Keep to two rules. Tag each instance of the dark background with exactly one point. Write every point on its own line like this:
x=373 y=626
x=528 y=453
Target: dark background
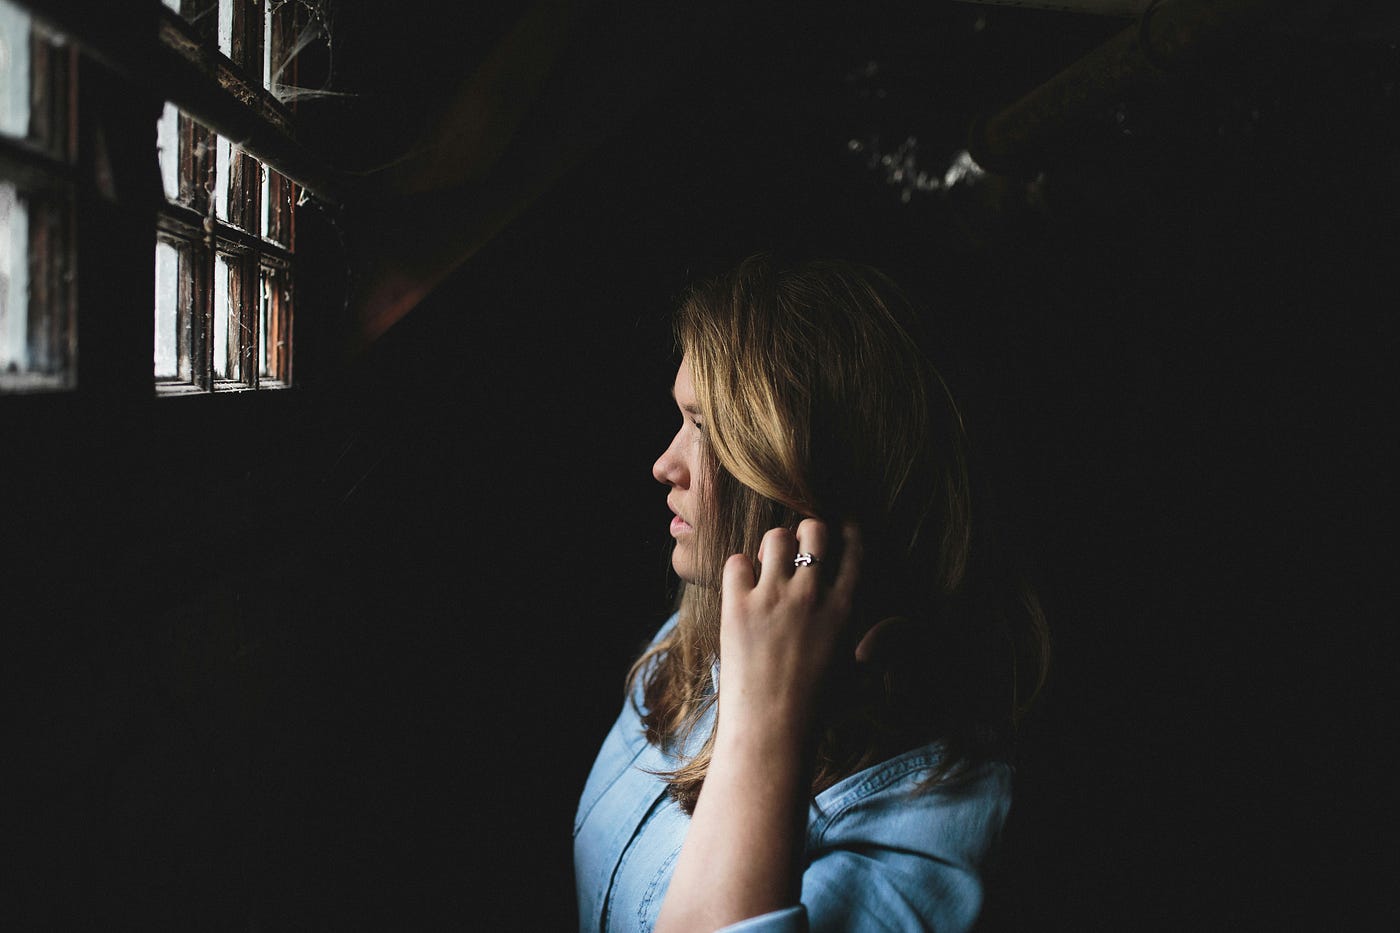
x=340 y=657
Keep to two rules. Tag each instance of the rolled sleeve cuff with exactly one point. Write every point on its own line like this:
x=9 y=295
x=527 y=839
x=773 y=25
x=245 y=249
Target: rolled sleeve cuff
x=787 y=920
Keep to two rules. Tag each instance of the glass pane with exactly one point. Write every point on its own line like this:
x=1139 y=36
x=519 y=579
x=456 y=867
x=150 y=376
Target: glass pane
x=168 y=150
x=226 y=27
x=277 y=207
x=222 y=319
x=167 y=311
x=265 y=225
x=14 y=70
x=223 y=157
x=14 y=281
x=274 y=349
x=37 y=349
x=265 y=311
x=267 y=45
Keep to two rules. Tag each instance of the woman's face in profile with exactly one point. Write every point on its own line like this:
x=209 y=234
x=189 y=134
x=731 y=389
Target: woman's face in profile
x=681 y=468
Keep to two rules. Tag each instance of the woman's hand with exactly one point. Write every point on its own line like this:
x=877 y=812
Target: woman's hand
x=779 y=629
x=743 y=852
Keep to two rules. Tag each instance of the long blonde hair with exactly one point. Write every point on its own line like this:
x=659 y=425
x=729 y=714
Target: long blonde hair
x=818 y=402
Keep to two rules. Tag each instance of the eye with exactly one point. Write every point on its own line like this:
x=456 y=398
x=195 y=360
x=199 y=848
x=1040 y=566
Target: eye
x=698 y=426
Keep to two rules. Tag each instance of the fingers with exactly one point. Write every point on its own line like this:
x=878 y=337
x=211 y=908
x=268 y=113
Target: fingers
x=780 y=546
x=775 y=553
x=812 y=539
x=738 y=577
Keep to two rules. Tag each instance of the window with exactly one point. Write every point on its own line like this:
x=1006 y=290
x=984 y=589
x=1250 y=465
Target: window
x=224 y=262
x=78 y=88
x=37 y=331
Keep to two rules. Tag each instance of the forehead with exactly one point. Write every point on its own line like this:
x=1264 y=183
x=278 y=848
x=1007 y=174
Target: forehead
x=683 y=390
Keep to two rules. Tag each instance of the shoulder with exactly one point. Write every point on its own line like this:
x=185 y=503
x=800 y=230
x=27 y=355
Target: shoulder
x=891 y=804
x=886 y=851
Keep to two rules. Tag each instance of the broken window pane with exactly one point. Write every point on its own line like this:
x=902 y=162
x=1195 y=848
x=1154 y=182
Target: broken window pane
x=167 y=362
x=14 y=70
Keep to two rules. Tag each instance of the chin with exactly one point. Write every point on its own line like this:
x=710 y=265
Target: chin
x=683 y=563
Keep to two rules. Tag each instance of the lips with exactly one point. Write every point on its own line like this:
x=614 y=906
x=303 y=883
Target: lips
x=678 y=524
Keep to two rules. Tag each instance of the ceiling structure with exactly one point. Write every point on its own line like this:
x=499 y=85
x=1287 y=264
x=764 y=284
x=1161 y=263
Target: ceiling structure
x=449 y=120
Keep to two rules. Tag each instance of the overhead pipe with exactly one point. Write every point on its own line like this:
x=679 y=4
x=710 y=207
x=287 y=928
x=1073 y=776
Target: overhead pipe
x=1169 y=38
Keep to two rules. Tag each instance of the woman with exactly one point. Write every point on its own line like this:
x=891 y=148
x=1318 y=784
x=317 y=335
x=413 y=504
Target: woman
x=818 y=736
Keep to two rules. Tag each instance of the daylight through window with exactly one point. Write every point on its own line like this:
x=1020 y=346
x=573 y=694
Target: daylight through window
x=222 y=254
x=224 y=265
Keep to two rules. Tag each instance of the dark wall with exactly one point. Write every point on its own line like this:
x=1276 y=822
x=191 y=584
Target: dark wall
x=1173 y=370
x=349 y=672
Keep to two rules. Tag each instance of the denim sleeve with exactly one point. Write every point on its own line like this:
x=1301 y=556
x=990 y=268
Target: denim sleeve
x=848 y=892
x=886 y=856
x=875 y=892
x=878 y=892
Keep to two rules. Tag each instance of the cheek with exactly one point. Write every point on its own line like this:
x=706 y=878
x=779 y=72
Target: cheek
x=700 y=487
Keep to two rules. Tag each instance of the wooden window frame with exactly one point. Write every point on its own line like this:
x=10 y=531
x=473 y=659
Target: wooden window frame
x=40 y=166
x=236 y=245
x=121 y=61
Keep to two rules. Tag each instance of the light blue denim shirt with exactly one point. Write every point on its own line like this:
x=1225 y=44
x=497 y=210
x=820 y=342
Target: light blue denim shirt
x=881 y=855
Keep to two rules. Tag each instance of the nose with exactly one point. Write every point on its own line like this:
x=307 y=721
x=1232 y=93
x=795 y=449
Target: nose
x=670 y=469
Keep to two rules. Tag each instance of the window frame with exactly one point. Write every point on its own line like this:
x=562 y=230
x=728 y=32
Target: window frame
x=122 y=64
x=41 y=167
x=235 y=245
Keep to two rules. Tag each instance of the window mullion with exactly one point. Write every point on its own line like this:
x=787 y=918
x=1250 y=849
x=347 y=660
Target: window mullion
x=196 y=296
x=243 y=319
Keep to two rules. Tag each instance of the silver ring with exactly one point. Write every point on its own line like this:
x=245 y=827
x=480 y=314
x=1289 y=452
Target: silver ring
x=805 y=560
